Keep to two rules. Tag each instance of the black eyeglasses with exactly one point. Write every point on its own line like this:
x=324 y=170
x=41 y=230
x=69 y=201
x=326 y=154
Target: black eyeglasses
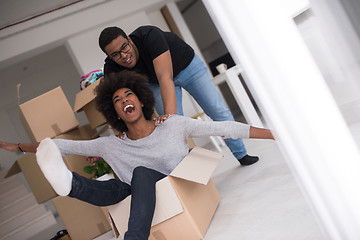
x=117 y=55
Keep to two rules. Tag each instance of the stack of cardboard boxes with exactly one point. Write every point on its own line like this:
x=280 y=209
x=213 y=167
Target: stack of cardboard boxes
x=50 y=115
x=186 y=200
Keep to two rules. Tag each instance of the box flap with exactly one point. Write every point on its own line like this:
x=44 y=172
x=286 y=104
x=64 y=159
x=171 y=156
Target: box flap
x=84 y=132
x=35 y=178
x=198 y=165
x=119 y=214
x=15 y=168
x=167 y=205
x=85 y=96
x=167 y=202
x=113 y=227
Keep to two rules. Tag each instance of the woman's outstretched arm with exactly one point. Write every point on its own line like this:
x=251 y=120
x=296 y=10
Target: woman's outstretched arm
x=19 y=147
x=226 y=129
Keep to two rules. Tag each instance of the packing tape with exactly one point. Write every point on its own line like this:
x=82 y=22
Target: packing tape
x=56 y=129
x=101 y=227
x=18 y=92
x=158 y=235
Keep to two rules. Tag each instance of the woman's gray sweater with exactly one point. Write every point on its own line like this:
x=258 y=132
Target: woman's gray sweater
x=162 y=150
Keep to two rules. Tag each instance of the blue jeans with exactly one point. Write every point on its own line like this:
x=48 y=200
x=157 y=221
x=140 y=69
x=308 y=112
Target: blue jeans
x=105 y=193
x=196 y=80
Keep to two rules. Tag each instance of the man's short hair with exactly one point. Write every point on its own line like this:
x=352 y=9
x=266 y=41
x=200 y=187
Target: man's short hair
x=108 y=35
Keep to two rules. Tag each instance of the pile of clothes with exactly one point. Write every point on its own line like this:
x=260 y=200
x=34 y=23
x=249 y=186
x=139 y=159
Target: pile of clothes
x=90 y=78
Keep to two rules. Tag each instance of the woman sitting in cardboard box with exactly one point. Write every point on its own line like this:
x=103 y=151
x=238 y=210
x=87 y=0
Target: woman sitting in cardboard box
x=148 y=152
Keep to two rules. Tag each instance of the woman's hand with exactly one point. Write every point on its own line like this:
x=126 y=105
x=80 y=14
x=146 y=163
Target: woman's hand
x=12 y=147
x=161 y=119
x=261 y=133
x=21 y=147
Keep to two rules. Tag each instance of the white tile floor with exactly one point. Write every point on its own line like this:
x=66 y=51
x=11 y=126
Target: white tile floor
x=262 y=201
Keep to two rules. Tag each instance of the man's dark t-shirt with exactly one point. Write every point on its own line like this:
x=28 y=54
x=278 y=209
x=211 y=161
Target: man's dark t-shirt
x=151 y=42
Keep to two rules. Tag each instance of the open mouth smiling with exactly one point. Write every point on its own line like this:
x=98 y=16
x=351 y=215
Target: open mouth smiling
x=129 y=109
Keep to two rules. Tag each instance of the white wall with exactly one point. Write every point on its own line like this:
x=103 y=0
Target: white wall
x=334 y=57
x=55 y=28
x=36 y=75
x=85 y=50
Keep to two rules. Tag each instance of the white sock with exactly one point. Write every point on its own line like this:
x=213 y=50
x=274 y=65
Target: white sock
x=52 y=165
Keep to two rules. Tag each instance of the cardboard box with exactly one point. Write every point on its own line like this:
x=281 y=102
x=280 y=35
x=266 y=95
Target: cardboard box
x=85 y=101
x=47 y=115
x=186 y=200
x=82 y=220
x=38 y=184
x=84 y=132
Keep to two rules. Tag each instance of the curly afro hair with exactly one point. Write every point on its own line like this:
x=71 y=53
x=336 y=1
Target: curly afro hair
x=115 y=81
